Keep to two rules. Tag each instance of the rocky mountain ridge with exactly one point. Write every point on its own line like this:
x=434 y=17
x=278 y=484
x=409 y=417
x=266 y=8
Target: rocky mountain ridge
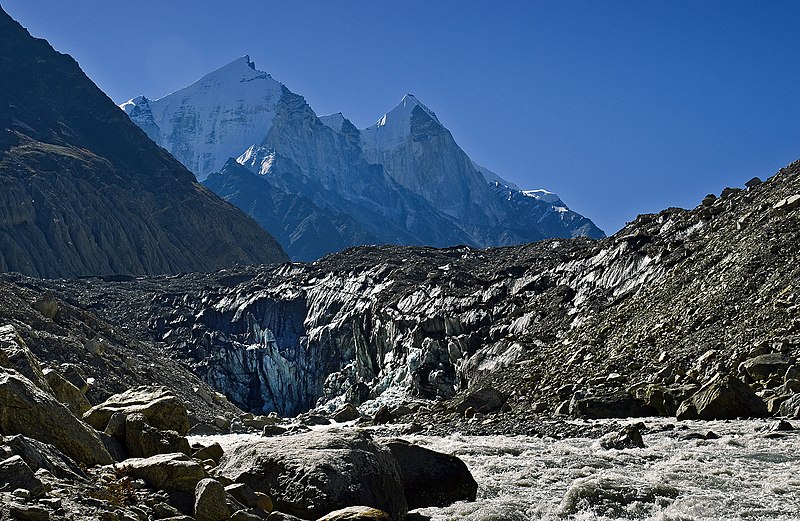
x=671 y=302
x=403 y=180
x=83 y=191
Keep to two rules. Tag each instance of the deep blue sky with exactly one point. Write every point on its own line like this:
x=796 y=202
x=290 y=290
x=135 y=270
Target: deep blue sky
x=619 y=107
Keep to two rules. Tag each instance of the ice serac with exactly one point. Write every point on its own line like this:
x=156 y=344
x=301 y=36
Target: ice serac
x=219 y=116
x=403 y=180
x=83 y=191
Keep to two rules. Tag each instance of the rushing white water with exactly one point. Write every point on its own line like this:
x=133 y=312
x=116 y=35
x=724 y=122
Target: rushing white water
x=741 y=475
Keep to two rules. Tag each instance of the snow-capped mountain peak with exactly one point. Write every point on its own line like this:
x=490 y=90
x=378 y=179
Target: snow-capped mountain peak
x=215 y=118
x=394 y=127
x=333 y=121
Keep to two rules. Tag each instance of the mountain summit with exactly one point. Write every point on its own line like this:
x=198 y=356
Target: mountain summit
x=218 y=116
x=403 y=180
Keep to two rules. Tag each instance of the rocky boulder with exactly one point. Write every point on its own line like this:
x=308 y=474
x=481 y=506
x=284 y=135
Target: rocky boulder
x=142 y=440
x=38 y=455
x=430 y=478
x=159 y=405
x=483 y=400
x=165 y=471
x=763 y=366
x=790 y=408
x=346 y=413
x=617 y=405
x=15 y=354
x=14 y=473
x=26 y=409
x=724 y=398
x=313 y=473
x=210 y=501
x=356 y=514
x=66 y=393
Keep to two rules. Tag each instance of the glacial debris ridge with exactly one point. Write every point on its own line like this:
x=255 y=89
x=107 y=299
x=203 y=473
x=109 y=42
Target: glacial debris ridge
x=635 y=322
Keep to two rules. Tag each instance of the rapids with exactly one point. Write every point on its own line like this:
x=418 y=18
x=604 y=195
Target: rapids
x=740 y=475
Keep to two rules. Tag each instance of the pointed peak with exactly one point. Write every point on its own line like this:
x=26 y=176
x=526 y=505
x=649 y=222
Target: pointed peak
x=132 y=103
x=401 y=114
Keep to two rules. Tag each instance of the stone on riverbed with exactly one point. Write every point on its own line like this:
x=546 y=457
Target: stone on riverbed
x=313 y=473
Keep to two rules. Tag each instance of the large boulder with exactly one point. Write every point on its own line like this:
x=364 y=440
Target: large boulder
x=484 y=400
x=313 y=473
x=15 y=354
x=165 y=471
x=430 y=478
x=790 y=408
x=66 y=393
x=356 y=514
x=159 y=405
x=723 y=398
x=617 y=405
x=15 y=473
x=26 y=409
x=210 y=501
x=143 y=440
x=40 y=455
x=763 y=366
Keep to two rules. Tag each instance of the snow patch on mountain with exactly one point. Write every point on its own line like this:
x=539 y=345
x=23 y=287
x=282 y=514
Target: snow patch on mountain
x=392 y=130
x=333 y=121
x=217 y=117
x=544 y=196
x=491 y=177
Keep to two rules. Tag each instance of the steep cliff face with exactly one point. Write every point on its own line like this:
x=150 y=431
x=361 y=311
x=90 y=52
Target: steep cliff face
x=82 y=189
x=402 y=181
x=670 y=291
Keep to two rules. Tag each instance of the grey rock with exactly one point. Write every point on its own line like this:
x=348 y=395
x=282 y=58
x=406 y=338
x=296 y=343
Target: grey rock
x=617 y=405
x=159 y=405
x=790 y=408
x=15 y=354
x=213 y=452
x=210 y=501
x=311 y=474
x=165 y=471
x=26 y=409
x=484 y=400
x=359 y=513
x=142 y=440
x=763 y=366
x=346 y=413
x=28 y=512
x=66 y=393
x=628 y=438
x=725 y=397
x=47 y=305
x=38 y=455
x=14 y=473
x=431 y=478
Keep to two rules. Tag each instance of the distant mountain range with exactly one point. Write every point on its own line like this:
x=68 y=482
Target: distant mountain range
x=83 y=191
x=319 y=184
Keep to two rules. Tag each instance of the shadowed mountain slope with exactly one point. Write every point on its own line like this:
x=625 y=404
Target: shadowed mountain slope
x=84 y=191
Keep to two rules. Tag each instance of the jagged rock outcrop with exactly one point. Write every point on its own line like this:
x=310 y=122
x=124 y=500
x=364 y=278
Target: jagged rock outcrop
x=26 y=409
x=83 y=191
